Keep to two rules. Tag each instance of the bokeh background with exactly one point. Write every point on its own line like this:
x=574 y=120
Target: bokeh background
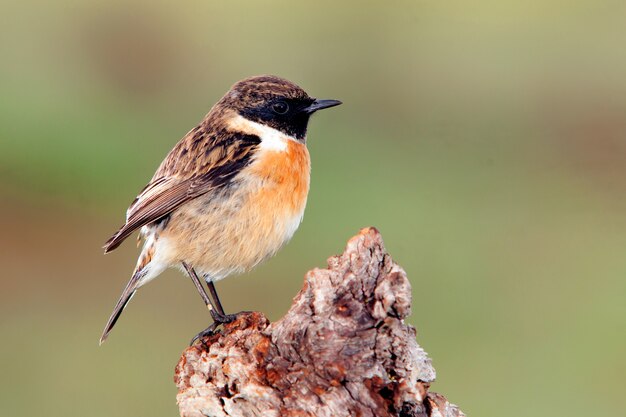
x=486 y=140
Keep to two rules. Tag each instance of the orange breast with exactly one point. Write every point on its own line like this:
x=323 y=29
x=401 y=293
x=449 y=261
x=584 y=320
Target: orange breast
x=286 y=178
x=231 y=235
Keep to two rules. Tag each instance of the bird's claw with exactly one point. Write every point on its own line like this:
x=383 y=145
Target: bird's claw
x=221 y=318
x=209 y=331
x=218 y=319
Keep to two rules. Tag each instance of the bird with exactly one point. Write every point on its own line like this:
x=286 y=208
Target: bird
x=229 y=194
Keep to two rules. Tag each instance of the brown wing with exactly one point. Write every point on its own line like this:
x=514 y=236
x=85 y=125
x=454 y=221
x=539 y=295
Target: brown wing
x=200 y=163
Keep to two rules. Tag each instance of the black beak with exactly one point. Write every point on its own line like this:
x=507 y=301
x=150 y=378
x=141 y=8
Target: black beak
x=320 y=104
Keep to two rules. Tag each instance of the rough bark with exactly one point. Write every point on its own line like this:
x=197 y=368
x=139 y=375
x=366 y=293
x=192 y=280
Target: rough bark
x=342 y=349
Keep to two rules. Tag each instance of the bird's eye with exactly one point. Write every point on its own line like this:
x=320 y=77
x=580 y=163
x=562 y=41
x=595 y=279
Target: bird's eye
x=280 y=108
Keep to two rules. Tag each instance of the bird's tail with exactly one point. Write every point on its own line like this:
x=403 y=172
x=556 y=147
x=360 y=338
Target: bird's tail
x=130 y=289
x=148 y=267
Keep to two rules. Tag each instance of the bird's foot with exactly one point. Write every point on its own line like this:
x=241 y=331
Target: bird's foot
x=221 y=318
x=209 y=331
x=218 y=319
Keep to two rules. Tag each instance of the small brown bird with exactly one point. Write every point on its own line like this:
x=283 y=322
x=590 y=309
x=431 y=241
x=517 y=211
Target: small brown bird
x=229 y=194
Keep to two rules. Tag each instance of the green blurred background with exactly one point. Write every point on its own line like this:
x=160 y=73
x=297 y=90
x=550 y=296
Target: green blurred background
x=486 y=140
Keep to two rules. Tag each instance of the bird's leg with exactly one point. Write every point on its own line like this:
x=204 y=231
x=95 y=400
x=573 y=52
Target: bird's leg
x=217 y=316
x=194 y=278
x=226 y=318
x=213 y=291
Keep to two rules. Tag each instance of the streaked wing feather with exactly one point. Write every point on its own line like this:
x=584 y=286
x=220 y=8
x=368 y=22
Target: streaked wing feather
x=216 y=164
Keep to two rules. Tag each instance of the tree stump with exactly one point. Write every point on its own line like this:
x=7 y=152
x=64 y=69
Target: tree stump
x=342 y=349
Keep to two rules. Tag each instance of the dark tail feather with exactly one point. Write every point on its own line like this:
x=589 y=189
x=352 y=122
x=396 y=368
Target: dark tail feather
x=127 y=294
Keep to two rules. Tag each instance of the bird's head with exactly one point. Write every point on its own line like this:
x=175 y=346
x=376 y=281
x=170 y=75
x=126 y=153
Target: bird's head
x=274 y=102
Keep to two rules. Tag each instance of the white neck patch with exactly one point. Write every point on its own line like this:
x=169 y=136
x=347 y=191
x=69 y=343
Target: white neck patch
x=271 y=139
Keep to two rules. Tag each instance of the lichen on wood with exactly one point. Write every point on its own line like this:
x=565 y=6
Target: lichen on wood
x=342 y=349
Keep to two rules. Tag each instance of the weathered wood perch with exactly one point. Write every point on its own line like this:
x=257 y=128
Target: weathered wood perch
x=342 y=349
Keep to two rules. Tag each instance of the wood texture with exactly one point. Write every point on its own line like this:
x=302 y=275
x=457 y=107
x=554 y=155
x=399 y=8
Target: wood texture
x=342 y=349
